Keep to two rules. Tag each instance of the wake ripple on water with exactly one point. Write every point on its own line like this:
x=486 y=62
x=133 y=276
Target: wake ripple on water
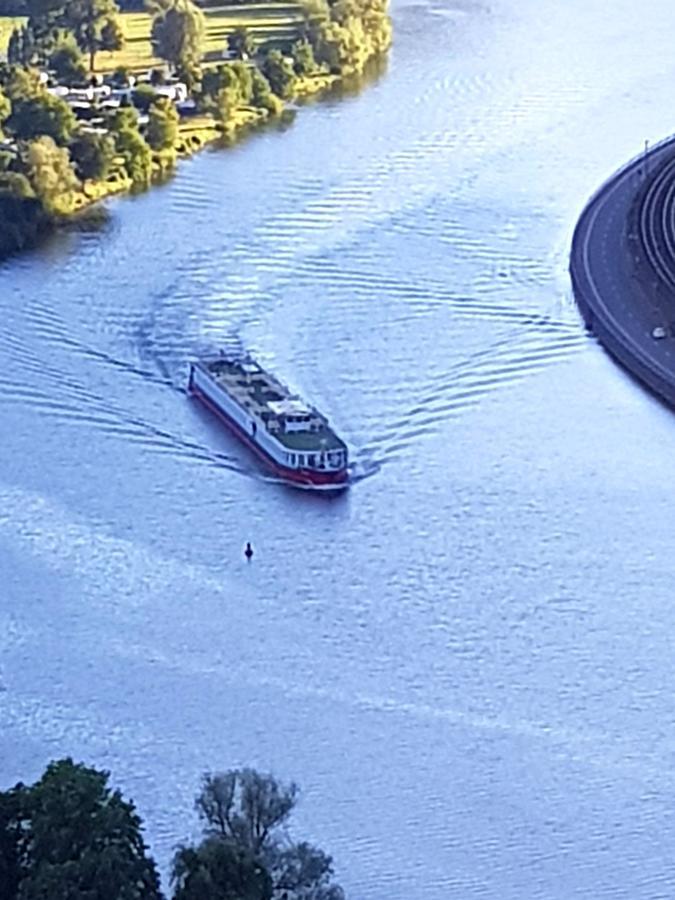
x=466 y=386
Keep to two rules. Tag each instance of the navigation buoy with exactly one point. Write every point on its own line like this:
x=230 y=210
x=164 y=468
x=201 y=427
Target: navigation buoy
x=248 y=552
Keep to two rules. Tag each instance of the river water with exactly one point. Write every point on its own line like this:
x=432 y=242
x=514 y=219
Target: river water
x=467 y=659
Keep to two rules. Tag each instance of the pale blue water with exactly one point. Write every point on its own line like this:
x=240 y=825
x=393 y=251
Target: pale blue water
x=467 y=660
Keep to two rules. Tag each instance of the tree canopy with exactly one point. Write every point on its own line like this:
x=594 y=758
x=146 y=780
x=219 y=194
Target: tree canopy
x=162 y=129
x=240 y=42
x=304 y=61
x=134 y=149
x=19 y=83
x=225 y=88
x=94 y=24
x=280 y=74
x=70 y=835
x=66 y=60
x=92 y=154
x=345 y=34
x=49 y=171
x=247 y=812
x=39 y=115
x=5 y=110
x=261 y=94
x=177 y=35
x=216 y=870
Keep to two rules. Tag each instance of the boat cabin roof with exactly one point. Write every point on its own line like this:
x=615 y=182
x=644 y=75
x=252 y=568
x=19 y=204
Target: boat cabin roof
x=270 y=402
x=290 y=406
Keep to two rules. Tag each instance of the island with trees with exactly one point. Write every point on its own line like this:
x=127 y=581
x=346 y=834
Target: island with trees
x=99 y=97
x=71 y=836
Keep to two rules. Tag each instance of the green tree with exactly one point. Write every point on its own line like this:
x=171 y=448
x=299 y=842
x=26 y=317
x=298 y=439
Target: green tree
x=218 y=870
x=124 y=119
x=66 y=60
x=92 y=154
x=88 y=19
x=345 y=34
x=133 y=147
x=49 y=171
x=158 y=76
x=261 y=94
x=225 y=88
x=245 y=807
x=120 y=77
x=80 y=839
x=242 y=78
x=304 y=62
x=178 y=32
x=42 y=114
x=17 y=184
x=190 y=74
x=143 y=97
x=279 y=72
x=248 y=810
x=43 y=30
x=22 y=221
x=341 y=47
x=22 y=48
x=224 y=105
x=15 y=47
x=20 y=83
x=5 y=110
x=162 y=129
x=304 y=872
x=240 y=42
x=112 y=35
x=12 y=803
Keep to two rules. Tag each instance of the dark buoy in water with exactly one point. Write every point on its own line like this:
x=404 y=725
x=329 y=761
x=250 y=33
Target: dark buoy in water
x=248 y=552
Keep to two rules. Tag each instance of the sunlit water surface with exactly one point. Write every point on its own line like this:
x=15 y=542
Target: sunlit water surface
x=467 y=660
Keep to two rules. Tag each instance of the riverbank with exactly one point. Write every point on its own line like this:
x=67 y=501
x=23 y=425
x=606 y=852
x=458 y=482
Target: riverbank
x=620 y=293
x=195 y=135
x=277 y=55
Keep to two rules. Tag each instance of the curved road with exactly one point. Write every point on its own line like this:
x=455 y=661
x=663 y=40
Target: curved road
x=620 y=295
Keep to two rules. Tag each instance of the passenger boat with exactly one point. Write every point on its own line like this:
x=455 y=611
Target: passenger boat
x=292 y=438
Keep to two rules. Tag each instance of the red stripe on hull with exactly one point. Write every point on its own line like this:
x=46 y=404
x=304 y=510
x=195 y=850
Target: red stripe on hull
x=306 y=477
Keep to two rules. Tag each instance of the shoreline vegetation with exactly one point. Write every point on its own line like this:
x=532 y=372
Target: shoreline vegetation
x=72 y=835
x=99 y=97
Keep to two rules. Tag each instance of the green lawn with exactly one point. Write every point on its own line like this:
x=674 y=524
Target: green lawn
x=267 y=22
x=274 y=23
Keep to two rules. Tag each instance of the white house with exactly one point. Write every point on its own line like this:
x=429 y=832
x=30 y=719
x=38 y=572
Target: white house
x=177 y=93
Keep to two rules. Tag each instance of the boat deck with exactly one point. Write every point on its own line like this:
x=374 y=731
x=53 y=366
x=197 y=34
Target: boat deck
x=268 y=401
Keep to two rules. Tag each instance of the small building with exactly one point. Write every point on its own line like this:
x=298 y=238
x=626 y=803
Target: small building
x=188 y=108
x=122 y=95
x=177 y=92
x=110 y=105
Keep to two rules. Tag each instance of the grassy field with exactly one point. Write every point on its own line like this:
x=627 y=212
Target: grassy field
x=7 y=26
x=269 y=23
